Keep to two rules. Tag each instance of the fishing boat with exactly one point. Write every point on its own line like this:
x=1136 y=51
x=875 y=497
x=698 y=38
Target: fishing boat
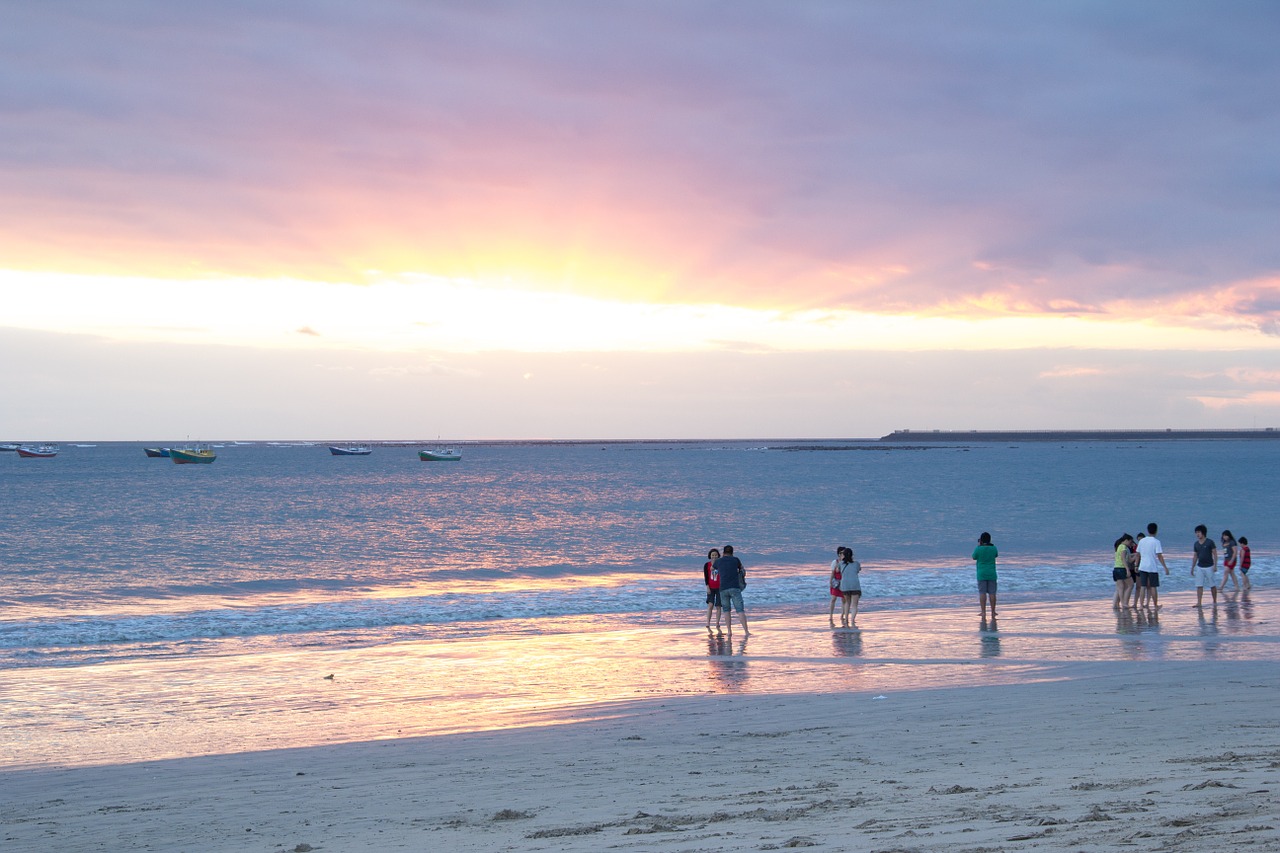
x=351 y=450
x=156 y=452
x=38 y=451
x=11 y=448
x=197 y=455
x=449 y=455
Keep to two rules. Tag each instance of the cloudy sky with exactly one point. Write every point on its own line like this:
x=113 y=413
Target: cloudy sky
x=636 y=219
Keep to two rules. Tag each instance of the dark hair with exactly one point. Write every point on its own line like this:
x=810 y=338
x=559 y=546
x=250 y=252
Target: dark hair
x=1200 y=528
x=985 y=538
x=1152 y=528
x=1124 y=537
x=845 y=553
x=1244 y=540
x=715 y=551
x=1226 y=534
x=728 y=550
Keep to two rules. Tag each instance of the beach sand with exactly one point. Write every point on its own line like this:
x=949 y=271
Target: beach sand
x=1102 y=755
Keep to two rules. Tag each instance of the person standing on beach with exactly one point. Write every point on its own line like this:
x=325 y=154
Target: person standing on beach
x=1120 y=571
x=985 y=555
x=733 y=577
x=1139 y=591
x=711 y=579
x=851 y=589
x=1229 y=549
x=1204 y=565
x=1246 y=562
x=1150 y=552
x=837 y=567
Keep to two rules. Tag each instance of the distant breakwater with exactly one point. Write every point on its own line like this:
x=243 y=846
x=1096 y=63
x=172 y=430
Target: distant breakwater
x=906 y=435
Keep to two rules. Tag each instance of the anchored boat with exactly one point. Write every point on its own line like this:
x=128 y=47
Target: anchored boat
x=199 y=455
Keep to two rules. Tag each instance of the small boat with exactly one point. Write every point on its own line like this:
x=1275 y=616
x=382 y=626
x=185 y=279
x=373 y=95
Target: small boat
x=351 y=450
x=38 y=451
x=156 y=452
x=198 y=455
x=11 y=448
x=449 y=455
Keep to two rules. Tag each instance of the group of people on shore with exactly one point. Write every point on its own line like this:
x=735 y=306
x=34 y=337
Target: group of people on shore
x=725 y=578
x=1138 y=561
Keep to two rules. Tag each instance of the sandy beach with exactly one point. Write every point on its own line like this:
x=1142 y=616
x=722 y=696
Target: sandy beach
x=1163 y=755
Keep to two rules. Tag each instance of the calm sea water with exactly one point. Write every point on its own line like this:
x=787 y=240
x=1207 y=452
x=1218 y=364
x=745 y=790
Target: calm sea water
x=153 y=610
x=109 y=555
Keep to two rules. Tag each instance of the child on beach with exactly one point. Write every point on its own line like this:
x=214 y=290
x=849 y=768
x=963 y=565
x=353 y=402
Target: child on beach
x=1246 y=561
x=985 y=555
x=1204 y=565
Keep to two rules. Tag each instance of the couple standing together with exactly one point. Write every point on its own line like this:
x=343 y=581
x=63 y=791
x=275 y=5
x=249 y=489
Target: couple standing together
x=725 y=578
x=845 y=587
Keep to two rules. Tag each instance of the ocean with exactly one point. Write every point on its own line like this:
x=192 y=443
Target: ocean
x=149 y=609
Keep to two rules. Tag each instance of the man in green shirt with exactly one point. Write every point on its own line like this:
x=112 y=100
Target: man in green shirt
x=986 y=554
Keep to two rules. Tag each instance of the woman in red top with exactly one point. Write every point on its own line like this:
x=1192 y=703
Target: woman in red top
x=837 y=565
x=712 y=580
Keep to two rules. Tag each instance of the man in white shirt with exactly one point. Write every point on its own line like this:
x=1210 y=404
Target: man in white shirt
x=1149 y=552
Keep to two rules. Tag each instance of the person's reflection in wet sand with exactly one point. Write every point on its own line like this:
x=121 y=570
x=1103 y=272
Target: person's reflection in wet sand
x=847 y=643
x=1209 y=631
x=728 y=671
x=990 y=639
x=1127 y=629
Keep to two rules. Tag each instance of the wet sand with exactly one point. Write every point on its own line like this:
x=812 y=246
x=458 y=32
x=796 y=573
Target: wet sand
x=1170 y=740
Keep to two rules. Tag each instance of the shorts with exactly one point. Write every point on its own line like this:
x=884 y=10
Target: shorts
x=1206 y=576
x=1119 y=574
x=986 y=587
x=713 y=597
x=854 y=592
x=730 y=597
x=1150 y=580
x=1244 y=570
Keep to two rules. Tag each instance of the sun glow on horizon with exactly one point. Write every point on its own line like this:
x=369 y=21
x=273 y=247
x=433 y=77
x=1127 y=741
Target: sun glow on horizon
x=416 y=312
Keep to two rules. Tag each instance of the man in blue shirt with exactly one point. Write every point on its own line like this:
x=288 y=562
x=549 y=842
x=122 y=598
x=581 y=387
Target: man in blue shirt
x=733 y=577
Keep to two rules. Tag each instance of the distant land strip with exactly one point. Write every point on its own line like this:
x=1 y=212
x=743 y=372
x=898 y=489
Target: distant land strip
x=1267 y=433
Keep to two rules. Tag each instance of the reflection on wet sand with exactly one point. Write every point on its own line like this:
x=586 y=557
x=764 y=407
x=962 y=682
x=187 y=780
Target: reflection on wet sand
x=542 y=672
x=989 y=632
x=846 y=643
x=729 y=672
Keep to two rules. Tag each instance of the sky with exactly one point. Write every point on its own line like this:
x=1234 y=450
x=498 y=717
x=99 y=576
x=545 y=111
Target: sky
x=666 y=219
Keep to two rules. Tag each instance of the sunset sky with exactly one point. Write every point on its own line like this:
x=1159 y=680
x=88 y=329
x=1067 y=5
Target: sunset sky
x=561 y=219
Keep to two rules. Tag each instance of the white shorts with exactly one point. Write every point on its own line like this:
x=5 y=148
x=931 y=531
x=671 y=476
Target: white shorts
x=1206 y=576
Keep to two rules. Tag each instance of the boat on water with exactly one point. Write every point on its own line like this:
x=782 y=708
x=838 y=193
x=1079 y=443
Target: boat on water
x=38 y=451
x=447 y=455
x=350 y=450
x=10 y=448
x=198 y=455
x=156 y=452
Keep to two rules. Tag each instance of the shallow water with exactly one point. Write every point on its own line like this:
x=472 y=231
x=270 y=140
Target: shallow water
x=150 y=609
x=575 y=668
